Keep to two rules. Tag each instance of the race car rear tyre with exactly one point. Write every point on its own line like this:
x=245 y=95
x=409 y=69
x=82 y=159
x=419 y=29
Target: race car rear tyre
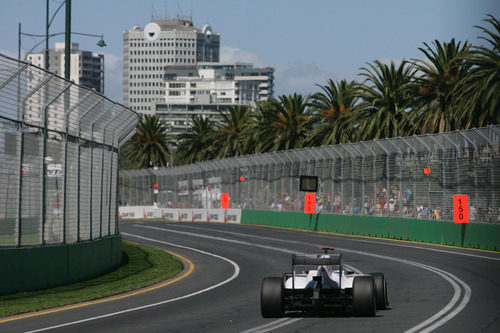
x=363 y=296
x=380 y=290
x=271 y=297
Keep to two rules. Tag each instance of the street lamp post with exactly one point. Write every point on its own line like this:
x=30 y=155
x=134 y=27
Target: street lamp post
x=100 y=43
x=47 y=26
x=67 y=41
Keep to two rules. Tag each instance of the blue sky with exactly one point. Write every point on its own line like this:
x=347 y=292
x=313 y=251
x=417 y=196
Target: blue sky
x=307 y=42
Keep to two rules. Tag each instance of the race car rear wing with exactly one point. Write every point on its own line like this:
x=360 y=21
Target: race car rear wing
x=317 y=259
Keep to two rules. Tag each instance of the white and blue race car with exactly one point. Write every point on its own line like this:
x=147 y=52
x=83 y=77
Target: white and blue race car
x=327 y=287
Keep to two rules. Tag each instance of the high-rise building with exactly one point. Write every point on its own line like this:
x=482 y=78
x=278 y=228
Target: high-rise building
x=209 y=88
x=87 y=68
x=148 y=51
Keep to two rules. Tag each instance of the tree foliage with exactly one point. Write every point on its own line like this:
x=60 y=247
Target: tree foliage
x=455 y=86
x=149 y=146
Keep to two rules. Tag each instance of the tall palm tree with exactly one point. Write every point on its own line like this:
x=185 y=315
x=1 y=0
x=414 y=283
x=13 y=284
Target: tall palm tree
x=149 y=146
x=386 y=100
x=478 y=93
x=260 y=132
x=197 y=144
x=283 y=124
x=231 y=128
x=442 y=71
x=335 y=108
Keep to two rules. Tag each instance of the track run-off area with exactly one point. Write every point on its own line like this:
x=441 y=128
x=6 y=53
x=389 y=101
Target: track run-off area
x=431 y=288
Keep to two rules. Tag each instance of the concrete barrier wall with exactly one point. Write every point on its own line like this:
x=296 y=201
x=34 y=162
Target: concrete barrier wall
x=181 y=214
x=40 y=267
x=471 y=235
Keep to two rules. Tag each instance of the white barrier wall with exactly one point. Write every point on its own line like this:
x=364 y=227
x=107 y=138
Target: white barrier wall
x=181 y=214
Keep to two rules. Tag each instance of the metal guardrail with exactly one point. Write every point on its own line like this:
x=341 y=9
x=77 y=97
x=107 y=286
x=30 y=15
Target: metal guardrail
x=59 y=145
x=413 y=177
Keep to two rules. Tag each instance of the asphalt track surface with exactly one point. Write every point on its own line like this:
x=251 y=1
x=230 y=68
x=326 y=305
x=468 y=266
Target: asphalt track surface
x=431 y=288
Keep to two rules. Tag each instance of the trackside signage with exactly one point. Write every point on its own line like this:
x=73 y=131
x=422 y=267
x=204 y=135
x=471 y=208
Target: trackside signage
x=461 y=208
x=231 y=215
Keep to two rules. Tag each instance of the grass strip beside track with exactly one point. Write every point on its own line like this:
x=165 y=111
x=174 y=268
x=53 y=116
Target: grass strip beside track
x=143 y=266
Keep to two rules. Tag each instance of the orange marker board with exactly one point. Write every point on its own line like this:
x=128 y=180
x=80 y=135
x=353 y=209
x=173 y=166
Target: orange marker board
x=310 y=203
x=461 y=208
x=224 y=200
x=427 y=171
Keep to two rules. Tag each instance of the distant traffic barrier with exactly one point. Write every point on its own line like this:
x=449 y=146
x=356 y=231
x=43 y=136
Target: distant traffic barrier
x=472 y=235
x=181 y=214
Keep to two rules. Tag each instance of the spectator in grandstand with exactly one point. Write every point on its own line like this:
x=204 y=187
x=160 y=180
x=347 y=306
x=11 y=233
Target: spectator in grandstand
x=337 y=202
x=420 y=208
x=437 y=213
x=425 y=212
x=408 y=196
x=472 y=213
x=392 y=206
x=382 y=202
x=319 y=206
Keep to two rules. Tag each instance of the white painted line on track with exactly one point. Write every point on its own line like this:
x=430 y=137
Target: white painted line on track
x=272 y=325
x=448 y=311
x=354 y=239
x=352 y=268
x=437 y=320
x=234 y=276
x=429 y=249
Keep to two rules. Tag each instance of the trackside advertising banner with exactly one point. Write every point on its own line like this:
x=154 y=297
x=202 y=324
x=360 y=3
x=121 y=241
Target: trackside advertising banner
x=181 y=214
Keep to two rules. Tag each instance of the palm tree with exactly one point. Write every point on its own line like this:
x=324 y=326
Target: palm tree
x=283 y=124
x=386 y=100
x=260 y=132
x=196 y=145
x=231 y=138
x=442 y=71
x=335 y=107
x=478 y=93
x=149 y=146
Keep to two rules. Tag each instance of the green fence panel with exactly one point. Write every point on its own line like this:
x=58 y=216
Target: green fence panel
x=471 y=235
x=11 y=262
x=33 y=268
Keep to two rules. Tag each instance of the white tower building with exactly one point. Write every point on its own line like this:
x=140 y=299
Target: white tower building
x=148 y=51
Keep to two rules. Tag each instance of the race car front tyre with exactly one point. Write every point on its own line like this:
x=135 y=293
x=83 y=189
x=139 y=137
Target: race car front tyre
x=363 y=296
x=381 y=291
x=271 y=297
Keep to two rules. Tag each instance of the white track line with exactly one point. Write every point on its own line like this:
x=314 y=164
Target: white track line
x=272 y=325
x=352 y=239
x=448 y=311
x=235 y=274
x=437 y=320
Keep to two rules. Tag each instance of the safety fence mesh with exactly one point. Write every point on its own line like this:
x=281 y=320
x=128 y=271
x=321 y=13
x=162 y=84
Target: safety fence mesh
x=413 y=177
x=59 y=145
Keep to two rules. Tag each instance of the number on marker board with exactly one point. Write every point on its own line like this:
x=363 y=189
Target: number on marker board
x=461 y=208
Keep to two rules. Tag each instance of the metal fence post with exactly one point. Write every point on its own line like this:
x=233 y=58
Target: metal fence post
x=75 y=107
x=44 y=167
x=79 y=168
x=105 y=127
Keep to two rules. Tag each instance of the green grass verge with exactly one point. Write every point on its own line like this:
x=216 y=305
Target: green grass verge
x=142 y=266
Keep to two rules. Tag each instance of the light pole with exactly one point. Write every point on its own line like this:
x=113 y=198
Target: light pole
x=47 y=26
x=67 y=41
x=100 y=43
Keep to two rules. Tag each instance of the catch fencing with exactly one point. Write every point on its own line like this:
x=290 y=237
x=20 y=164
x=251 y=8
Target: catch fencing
x=59 y=145
x=413 y=177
